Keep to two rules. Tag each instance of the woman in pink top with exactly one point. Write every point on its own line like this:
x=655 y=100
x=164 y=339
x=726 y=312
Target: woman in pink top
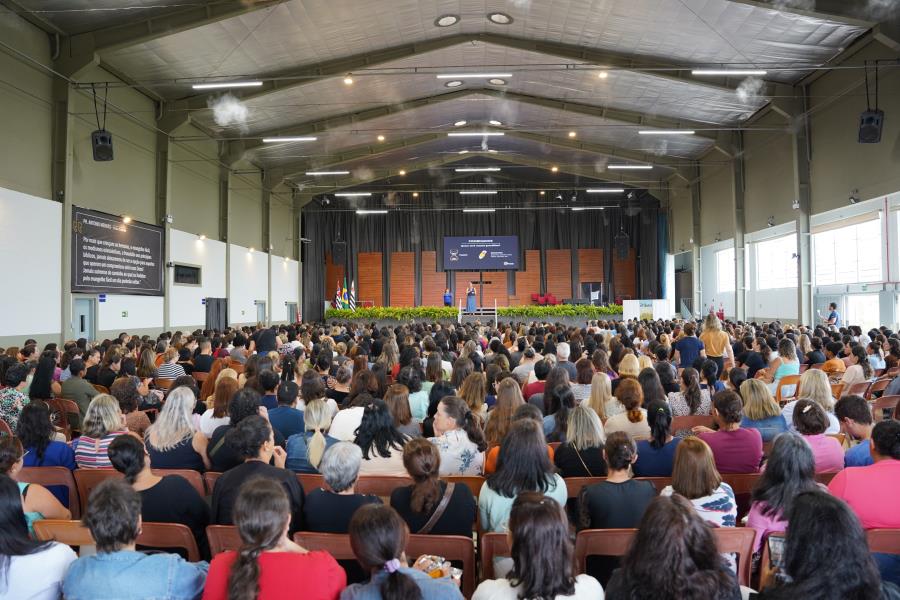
x=790 y=470
x=810 y=421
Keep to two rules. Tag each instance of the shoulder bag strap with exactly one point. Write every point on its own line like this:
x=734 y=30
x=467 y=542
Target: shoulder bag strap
x=216 y=447
x=439 y=511
x=578 y=454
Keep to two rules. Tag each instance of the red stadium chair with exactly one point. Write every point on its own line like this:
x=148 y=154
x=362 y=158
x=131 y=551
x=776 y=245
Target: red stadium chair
x=47 y=476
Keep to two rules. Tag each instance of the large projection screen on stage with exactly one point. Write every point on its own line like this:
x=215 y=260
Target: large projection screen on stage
x=481 y=253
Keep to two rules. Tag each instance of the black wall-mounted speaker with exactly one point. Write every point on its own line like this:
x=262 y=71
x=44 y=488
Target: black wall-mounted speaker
x=871 y=123
x=339 y=253
x=102 y=143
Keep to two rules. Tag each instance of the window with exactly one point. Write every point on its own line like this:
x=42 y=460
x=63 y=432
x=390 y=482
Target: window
x=862 y=310
x=725 y=270
x=186 y=275
x=850 y=254
x=776 y=266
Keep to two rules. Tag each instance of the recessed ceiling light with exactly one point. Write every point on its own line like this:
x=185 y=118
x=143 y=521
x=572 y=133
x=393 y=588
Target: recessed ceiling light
x=446 y=20
x=495 y=122
x=460 y=123
x=415 y=194
x=463 y=152
x=478 y=210
x=474 y=133
x=499 y=18
x=348 y=80
x=380 y=138
x=666 y=132
x=226 y=84
x=477 y=169
x=317 y=173
x=554 y=169
x=572 y=134
x=402 y=172
x=288 y=138
x=126 y=219
x=477 y=192
x=371 y=212
x=496 y=81
x=606 y=191
x=603 y=74
x=726 y=72
x=472 y=75
x=353 y=194
x=629 y=167
x=543 y=192
x=453 y=84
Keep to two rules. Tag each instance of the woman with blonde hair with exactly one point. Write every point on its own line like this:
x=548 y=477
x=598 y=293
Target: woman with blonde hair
x=390 y=356
x=172 y=442
x=474 y=391
x=601 y=398
x=305 y=450
x=103 y=422
x=509 y=398
x=761 y=412
x=582 y=453
x=629 y=368
x=814 y=385
x=716 y=342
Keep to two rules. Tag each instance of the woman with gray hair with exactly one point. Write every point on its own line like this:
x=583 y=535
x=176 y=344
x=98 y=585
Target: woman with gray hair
x=173 y=442
x=329 y=510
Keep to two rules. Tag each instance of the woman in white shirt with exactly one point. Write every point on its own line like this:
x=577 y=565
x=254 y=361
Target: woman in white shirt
x=381 y=443
x=28 y=569
x=859 y=371
x=460 y=439
x=634 y=420
x=542 y=556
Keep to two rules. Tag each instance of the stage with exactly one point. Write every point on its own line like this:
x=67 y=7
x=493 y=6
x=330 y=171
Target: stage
x=390 y=316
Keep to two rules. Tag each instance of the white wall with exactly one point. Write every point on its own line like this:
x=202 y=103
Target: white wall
x=711 y=295
x=143 y=312
x=31 y=246
x=285 y=287
x=248 y=283
x=186 y=308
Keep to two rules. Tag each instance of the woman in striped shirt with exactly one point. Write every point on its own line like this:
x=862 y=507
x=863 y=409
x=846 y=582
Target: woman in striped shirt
x=103 y=422
x=170 y=369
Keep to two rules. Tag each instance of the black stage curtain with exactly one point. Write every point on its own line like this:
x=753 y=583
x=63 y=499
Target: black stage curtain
x=410 y=229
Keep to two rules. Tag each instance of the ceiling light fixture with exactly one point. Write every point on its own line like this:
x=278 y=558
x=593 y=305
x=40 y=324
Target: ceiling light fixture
x=453 y=84
x=251 y=250
x=472 y=75
x=477 y=169
x=588 y=207
x=201 y=237
x=491 y=151
x=353 y=194
x=460 y=123
x=463 y=152
x=495 y=122
x=282 y=139
x=479 y=210
x=371 y=212
x=629 y=167
x=727 y=72
x=603 y=74
x=474 y=133
x=317 y=173
x=348 y=80
x=380 y=138
x=666 y=132
x=606 y=191
x=402 y=172
x=415 y=194
x=496 y=81
x=572 y=134
x=477 y=192
x=543 y=192
x=499 y=18
x=226 y=84
x=554 y=169
x=126 y=219
x=446 y=20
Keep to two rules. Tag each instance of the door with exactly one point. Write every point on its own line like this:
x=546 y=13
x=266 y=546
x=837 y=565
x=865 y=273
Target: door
x=291 y=312
x=216 y=313
x=83 y=318
x=261 y=312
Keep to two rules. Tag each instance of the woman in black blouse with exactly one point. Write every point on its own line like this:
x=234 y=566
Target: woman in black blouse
x=582 y=454
x=418 y=503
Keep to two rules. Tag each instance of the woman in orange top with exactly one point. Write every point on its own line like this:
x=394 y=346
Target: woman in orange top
x=524 y=411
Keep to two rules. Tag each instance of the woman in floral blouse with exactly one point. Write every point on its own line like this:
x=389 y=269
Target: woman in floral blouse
x=460 y=438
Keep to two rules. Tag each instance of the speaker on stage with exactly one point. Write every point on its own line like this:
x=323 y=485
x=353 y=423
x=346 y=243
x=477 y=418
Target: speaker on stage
x=101 y=142
x=339 y=253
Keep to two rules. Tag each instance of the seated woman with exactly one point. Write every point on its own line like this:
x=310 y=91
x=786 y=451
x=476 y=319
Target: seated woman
x=172 y=441
x=28 y=569
x=411 y=378
x=523 y=466
x=814 y=386
x=582 y=454
x=602 y=400
x=103 y=423
x=305 y=450
x=215 y=417
x=169 y=499
x=618 y=502
x=329 y=510
x=125 y=390
x=785 y=363
x=673 y=557
x=381 y=443
x=859 y=371
x=499 y=419
x=656 y=456
x=244 y=404
x=761 y=412
x=694 y=476
x=459 y=438
x=268 y=562
x=378 y=537
x=690 y=400
x=790 y=470
x=525 y=411
x=117 y=570
x=438 y=391
x=422 y=505
x=810 y=421
x=559 y=403
x=634 y=420
x=36 y=433
x=254 y=442
x=542 y=553
x=37 y=501
x=841 y=568
x=397 y=399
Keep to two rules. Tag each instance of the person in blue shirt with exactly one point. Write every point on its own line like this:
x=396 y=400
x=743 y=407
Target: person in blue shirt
x=35 y=431
x=656 y=456
x=688 y=348
x=448 y=297
x=855 y=417
x=268 y=382
x=285 y=417
x=834 y=317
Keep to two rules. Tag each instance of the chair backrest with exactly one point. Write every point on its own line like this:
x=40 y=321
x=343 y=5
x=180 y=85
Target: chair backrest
x=659 y=483
x=880 y=404
x=222 y=538
x=824 y=478
x=53 y=476
x=884 y=541
x=574 y=485
x=879 y=385
x=892 y=372
x=4 y=428
x=60 y=409
x=737 y=540
x=859 y=389
x=474 y=483
x=490 y=545
x=691 y=421
x=170 y=536
x=101 y=388
x=817 y=366
x=451 y=547
x=336 y=544
x=200 y=377
x=87 y=479
x=70 y=533
x=209 y=479
x=381 y=486
x=193 y=477
x=601 y=542
x=836 y=390
x=163 y=384
x=311 y=481
x=787 y=380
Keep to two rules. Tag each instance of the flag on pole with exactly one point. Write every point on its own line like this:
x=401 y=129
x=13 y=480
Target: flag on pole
x=345 y=301
x=352 y=295
x=337 y=296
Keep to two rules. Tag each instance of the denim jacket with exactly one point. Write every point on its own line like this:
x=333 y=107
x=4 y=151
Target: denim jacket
x=128 y=575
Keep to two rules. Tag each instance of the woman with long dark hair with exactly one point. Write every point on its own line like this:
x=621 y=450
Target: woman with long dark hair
x=691 y=400
x=509 y=398
x=268 y=562
x=542 y=553
x=381 y=442
x=560 y=402
x=651 y=386
x=673 y=557
x=657 y=455
x=43 y=387
x=378 y=537
x=35 y=431
x=859 y=371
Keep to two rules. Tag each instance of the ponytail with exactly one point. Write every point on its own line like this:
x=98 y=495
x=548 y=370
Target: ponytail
x=315 y=448
x=659 y=417
x=378 y=536
x=397 y=585
x=472 y=426
x=316 y=418
x=692 y=392
x=243 y=580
